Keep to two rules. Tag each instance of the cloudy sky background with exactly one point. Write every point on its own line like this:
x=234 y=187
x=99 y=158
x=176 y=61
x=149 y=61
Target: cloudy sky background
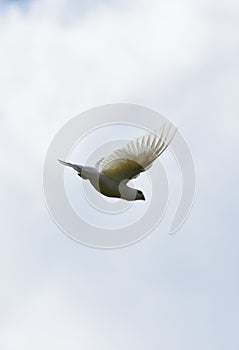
x=59 y=58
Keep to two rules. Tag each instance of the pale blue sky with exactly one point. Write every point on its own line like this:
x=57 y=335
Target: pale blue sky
x=173 y=293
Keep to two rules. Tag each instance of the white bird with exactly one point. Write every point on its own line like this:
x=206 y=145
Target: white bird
x=112 y=173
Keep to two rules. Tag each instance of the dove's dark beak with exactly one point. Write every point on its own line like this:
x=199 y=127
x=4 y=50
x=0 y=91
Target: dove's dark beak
x=140 y=196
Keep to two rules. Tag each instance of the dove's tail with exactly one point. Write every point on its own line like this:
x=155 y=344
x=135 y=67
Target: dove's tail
x=76 y=167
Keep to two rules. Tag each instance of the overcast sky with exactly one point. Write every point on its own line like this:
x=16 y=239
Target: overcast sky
x=59 y=58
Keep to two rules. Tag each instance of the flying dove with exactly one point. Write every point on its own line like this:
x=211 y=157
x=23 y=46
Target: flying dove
x=111 y=174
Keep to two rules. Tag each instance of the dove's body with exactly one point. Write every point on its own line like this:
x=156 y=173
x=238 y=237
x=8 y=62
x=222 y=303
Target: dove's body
x=111 y=174
x=104 y=184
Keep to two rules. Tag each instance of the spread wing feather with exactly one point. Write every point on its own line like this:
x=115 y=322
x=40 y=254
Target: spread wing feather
x=97 y=165
x=138 y=155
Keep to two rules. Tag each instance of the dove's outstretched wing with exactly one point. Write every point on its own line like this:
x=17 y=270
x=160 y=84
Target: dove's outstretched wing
x=138 y=155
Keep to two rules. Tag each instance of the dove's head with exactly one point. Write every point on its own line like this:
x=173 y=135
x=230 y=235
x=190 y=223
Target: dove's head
x=140 y=195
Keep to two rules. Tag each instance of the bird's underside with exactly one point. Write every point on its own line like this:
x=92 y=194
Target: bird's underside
x=112 y=173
